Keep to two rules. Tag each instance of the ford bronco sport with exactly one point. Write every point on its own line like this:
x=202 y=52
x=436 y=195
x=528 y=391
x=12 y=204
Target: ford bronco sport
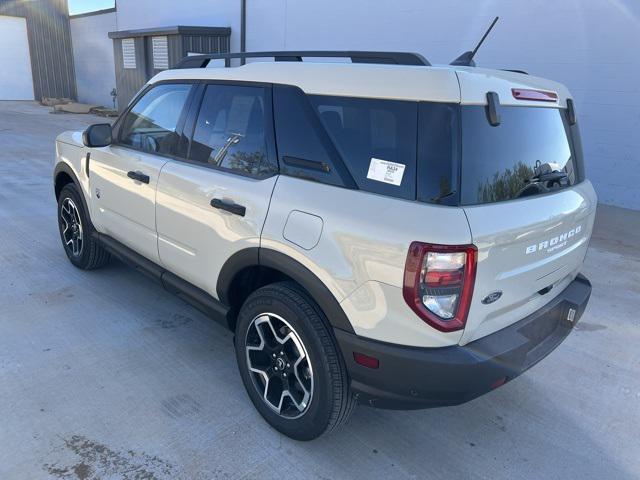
x=380 y=231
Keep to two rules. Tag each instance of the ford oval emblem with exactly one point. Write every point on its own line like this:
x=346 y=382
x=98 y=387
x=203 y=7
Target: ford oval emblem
x=492 y=297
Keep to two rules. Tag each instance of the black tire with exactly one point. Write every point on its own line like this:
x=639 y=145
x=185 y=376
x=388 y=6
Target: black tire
x=90 y=254
x=331 y=401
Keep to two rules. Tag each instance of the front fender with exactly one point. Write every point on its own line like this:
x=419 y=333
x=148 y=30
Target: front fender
x=61 y=170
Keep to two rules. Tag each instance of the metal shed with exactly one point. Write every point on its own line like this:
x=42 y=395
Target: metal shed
x=140 y=54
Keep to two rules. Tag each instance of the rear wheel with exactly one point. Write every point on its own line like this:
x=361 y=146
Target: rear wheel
x=289 y=363
x=75 y=231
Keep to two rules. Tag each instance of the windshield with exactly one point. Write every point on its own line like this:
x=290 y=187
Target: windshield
x=529 y=153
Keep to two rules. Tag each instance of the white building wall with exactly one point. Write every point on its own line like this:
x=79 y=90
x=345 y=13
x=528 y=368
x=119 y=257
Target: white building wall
x=136 y=14
x=93 y=57
x=588 y=45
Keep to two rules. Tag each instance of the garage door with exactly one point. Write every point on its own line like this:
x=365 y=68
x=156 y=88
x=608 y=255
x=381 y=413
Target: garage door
x=16 y=81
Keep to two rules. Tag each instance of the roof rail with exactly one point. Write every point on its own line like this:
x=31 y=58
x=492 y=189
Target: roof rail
x=392 y=58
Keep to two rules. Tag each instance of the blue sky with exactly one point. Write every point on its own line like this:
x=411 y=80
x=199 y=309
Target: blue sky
x=82 y=6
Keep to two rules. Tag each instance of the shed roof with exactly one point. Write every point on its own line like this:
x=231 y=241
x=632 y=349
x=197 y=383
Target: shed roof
x=174 y=30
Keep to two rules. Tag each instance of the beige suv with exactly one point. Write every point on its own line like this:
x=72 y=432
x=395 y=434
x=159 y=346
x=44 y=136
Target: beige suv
x=380 y=231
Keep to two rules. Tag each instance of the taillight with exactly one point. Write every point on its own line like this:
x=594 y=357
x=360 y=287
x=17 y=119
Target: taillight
x=438 y=283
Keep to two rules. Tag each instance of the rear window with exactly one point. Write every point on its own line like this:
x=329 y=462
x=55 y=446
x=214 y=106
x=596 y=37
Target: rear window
x=376 y=140
x=529 y=153
x=439 y=153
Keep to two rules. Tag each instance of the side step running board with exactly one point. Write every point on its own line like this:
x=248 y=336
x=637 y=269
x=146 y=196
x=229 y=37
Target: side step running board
x=172 y=283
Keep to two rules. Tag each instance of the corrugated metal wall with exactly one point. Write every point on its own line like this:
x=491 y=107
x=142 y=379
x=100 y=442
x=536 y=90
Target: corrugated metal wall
x=49 y=43
x=130 y=80
x=204 y=44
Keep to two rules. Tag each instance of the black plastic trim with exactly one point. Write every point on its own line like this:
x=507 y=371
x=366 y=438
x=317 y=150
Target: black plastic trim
x=571 y=112
x=65 y=168
x=138 y=176
x=304 y=163
x=128 y=256
x=196 y=297
x=413 y=377
x=219 y=309
x=230 y=207
x=284 y=264
x=249 y=257
x=397 y=58
x=312 y=284
x=171 y=282
x=493 y=115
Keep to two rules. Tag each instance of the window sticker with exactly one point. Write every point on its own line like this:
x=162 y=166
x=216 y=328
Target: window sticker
x=385 y=171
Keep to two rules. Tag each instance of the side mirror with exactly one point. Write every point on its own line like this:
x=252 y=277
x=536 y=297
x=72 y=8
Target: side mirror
x=98 y=135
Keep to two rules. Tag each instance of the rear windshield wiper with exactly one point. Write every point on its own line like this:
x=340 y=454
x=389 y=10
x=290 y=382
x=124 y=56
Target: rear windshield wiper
x=549 y=177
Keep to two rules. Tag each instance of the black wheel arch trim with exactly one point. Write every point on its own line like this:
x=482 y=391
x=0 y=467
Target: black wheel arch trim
x=265 y=257
x=63 y=167
x=248 y=257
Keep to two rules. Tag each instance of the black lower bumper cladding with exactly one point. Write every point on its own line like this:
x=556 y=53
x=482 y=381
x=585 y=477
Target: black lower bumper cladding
x=412 y=378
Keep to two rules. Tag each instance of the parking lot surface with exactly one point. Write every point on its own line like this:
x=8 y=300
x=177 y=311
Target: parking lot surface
x=104 y=375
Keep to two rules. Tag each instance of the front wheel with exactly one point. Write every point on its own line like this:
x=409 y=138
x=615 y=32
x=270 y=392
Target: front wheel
x=81 y=248
x=289 y=363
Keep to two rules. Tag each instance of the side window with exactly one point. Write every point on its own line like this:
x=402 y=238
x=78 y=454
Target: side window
x=231 y=130
x=376 y=140
x=151 y=124
x=305 y=149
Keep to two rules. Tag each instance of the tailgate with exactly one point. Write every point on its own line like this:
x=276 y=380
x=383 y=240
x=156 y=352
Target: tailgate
x=529 y=250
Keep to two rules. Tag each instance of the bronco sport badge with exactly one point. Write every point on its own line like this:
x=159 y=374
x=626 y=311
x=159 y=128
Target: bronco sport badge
x=554 y=243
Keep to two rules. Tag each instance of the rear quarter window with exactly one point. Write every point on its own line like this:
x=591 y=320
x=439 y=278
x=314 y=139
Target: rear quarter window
x=304 y=148
x=366 y=131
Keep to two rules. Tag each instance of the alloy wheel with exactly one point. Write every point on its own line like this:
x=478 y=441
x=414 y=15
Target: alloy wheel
x=72 y=231
x=279 y=365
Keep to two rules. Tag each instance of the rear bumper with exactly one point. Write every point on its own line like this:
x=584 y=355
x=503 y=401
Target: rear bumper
x=411 y=377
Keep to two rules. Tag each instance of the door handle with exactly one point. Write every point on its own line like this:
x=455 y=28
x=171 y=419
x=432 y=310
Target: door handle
x=138 y=176
x=229 y=206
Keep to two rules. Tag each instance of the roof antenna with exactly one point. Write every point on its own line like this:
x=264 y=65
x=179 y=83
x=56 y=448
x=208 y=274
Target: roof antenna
x=466 y=59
